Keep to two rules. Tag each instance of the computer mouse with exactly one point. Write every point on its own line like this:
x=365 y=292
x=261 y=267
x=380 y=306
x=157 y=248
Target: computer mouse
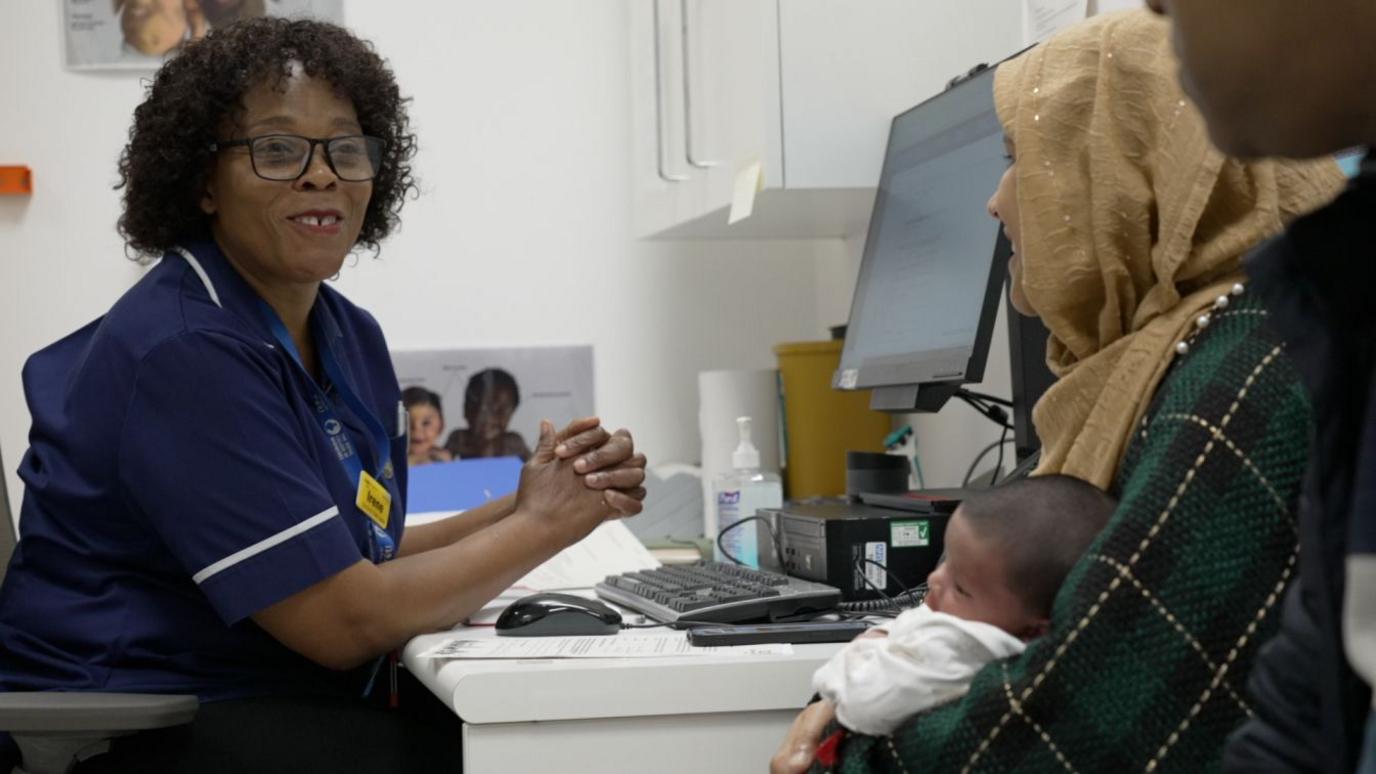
x=557 y=615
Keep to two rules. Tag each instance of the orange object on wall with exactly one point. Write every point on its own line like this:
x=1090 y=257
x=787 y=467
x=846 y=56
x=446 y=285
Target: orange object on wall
x=16 y=180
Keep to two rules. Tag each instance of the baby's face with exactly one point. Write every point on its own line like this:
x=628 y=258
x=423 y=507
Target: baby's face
x=972 y=583
x=154 y=27
x=426 y=426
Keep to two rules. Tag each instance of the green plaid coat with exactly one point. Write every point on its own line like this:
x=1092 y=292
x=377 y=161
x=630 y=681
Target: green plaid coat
x=1155 y=630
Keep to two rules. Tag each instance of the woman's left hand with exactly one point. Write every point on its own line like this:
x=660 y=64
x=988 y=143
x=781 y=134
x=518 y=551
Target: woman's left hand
x=607 y=461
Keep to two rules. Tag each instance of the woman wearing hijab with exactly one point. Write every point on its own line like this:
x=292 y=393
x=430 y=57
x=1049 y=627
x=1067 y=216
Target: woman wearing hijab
x=1129 y=228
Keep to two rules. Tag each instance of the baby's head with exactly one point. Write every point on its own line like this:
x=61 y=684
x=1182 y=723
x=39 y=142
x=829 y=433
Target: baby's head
x=426 y=414
x=1009 y=549
x=154 y=27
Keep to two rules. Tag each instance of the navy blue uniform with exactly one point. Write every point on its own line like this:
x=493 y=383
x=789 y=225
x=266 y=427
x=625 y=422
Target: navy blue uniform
x=178 y=480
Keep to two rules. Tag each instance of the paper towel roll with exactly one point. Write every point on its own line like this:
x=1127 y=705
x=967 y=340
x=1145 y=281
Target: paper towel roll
x=723 y=396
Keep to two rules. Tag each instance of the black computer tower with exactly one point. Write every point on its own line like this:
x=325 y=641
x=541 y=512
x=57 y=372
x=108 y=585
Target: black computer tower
x=825 y=542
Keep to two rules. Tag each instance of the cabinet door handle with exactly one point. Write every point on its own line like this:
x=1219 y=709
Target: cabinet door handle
x=664 y=174
x=688 y=92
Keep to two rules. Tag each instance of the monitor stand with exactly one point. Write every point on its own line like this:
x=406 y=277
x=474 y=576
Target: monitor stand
x=908 y=398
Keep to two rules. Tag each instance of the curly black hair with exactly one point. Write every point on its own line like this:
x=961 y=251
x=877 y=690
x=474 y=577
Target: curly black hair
x=164 y=167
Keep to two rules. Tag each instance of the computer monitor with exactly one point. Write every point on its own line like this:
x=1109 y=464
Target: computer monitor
x=934 y=262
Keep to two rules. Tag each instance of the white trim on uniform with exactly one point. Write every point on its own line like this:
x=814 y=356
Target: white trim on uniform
x=265 y=544
x=200 y=272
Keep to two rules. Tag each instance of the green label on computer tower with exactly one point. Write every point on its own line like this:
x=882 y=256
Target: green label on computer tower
x=906 y=534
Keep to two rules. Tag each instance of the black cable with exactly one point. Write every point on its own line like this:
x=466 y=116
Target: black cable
x=773 y=537
x=986 y=398
x=877 y=607
x=897 y=581
x=993 y=413
x=866 y=578
x=906 y=592
x=867 y=608
x=1003 y=439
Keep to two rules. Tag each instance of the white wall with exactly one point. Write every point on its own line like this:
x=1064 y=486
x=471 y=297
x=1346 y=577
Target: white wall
x=1109 y=6
x=521 y=236
x=61 y=264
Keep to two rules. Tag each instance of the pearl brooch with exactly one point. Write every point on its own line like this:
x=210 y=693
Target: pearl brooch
x=1201 y=322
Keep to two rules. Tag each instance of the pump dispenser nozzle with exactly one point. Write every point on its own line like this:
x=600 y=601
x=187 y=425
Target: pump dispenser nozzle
x=746 y=456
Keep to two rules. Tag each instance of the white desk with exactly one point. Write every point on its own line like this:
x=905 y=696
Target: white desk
x=678 y=714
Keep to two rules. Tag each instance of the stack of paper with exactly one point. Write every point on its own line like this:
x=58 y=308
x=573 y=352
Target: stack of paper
x=610 y=549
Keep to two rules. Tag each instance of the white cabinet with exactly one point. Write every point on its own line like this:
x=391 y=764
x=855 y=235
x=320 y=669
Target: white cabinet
x=805 y=87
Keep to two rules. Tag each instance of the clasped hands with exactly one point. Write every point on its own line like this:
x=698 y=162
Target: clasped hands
x=583 y=474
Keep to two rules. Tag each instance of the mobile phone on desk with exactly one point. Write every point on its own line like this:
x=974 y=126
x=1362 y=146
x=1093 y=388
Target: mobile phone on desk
x=807 y=631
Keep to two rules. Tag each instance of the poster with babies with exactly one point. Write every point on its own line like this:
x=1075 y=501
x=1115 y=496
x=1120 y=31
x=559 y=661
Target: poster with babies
x=141 y=34
x=476 y=403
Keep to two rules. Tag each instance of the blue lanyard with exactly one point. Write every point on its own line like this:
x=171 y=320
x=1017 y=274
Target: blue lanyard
x=381 y=547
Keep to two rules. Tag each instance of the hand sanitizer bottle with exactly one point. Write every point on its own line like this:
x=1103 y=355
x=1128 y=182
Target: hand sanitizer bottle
x=738 y=495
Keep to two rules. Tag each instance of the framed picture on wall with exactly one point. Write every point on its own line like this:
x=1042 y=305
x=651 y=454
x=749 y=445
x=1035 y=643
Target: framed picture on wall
x=481 y=403
x=141 y=34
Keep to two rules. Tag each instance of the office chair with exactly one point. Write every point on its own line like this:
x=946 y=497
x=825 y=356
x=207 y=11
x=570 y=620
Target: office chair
x=56 y=729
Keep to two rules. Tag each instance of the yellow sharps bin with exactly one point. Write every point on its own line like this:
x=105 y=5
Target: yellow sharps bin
x=822 y=424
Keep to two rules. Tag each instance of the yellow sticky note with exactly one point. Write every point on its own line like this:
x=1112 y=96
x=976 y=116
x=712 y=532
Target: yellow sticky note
x=749 y=181
x=374 y=499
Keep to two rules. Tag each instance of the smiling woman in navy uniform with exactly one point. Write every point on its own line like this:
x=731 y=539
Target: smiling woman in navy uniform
x=215 y=487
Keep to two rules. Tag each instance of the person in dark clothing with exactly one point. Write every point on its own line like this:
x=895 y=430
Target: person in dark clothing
x=1312 y=683
x=211 y=506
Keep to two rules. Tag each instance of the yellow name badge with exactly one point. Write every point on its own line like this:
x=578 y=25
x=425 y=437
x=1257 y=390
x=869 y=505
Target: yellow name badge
x=374 y=499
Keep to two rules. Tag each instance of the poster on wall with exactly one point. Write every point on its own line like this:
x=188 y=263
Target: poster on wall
x=468 y=404
x=1043 y=18
x=141 y=34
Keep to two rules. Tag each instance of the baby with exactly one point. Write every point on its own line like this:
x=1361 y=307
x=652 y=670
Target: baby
x=426 y=424
x=1007 y=552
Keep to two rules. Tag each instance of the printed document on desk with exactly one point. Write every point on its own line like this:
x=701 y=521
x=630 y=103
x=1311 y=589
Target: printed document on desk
x=610 y=549
x=614 y=646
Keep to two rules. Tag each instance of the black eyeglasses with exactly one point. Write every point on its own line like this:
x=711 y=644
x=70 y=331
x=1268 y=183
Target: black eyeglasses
x=285 y=157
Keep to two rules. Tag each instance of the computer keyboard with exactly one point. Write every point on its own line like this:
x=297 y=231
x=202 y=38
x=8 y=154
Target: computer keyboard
x=717 y=592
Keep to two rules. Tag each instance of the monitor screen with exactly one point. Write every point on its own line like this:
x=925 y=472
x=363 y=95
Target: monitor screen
x=928 y=290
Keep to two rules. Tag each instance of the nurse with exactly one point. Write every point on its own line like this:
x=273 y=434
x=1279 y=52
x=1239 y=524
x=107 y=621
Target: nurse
x=215 y=488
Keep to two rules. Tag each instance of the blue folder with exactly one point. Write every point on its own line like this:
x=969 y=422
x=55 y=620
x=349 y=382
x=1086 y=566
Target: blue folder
x=462 y=484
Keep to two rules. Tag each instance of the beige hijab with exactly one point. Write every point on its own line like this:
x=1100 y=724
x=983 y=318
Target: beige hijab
x=1131 y=223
